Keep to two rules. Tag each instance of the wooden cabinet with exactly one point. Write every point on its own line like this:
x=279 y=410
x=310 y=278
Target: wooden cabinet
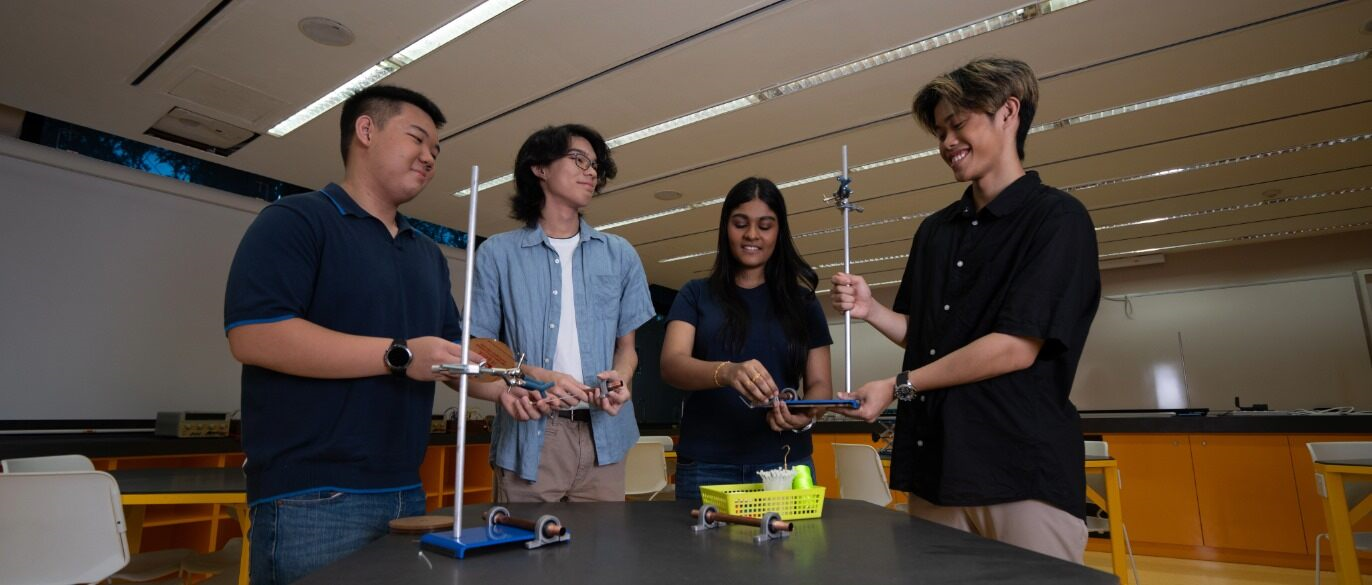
x=1234 y=497
x=1246 y=488
x=439 y=478
x=1158 y=490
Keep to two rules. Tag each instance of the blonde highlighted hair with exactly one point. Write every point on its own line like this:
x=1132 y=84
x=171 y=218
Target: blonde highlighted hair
x=983 y=85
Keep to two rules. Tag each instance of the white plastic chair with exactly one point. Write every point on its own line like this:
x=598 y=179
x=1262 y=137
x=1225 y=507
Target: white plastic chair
x=1355 y=492
x=645 y=469
x=60 y=528
x=860 y=474
x=665 y=441
x=46 y=464
x=1099 y=523
x=141 y=567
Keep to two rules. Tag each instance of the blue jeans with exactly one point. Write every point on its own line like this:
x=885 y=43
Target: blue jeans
x=691 y=474
x=296 y=535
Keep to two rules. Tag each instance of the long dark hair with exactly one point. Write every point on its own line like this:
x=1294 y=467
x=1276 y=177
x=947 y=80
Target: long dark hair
x=790 y=280
x=542 y=148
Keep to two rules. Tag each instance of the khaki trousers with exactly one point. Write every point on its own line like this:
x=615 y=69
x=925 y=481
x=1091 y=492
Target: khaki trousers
x=567 y=470
x=1030 y=524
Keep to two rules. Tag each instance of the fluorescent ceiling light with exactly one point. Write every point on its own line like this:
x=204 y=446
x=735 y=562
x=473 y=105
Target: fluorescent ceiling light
x=1100 y=115
x=444 y=35
x=1150 y=175
x=687 y=256
x=869 y=285
x=1202 y=92
x=1230 y=208
x=1248 y=238
x=991 y=24
x=1116 y=111
x=863 y=261
x=994 y=23
x=664 y=213
x=1241 y=239
x=1219 y=163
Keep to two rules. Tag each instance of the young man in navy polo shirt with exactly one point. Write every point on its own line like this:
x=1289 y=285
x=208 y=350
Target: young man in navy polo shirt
x=570 y=298
x=993 y=311
x=337 y=309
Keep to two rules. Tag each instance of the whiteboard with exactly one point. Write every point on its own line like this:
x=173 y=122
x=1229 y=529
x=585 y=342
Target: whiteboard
x=1294 y=344
x=113 y=290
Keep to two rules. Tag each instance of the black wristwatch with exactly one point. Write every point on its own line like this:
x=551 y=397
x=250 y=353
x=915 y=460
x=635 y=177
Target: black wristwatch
x=398 y=357
x=905 y=391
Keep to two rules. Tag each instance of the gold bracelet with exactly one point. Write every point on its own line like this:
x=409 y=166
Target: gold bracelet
x=717 y=369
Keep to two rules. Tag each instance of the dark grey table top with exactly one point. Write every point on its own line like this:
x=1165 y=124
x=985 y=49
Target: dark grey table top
x=651 y=542
x=180 y=480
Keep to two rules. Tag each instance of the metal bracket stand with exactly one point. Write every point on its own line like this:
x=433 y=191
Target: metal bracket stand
x=766 y=530
x=542 y=536
x=702 y=520
x=840 y=200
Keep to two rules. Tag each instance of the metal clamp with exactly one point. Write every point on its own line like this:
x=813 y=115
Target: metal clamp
x=511 y=376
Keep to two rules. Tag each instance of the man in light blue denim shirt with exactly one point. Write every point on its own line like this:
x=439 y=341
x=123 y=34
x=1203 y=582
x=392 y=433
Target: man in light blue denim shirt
x=570 y=298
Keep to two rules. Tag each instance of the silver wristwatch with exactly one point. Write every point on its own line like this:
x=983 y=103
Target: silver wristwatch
x=905 y=391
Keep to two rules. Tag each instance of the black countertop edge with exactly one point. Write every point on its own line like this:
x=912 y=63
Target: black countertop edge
x=1282 y=424
x=137 y=444
x=96 y=445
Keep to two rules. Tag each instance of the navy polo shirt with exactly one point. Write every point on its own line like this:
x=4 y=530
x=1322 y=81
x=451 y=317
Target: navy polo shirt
x=321 y=257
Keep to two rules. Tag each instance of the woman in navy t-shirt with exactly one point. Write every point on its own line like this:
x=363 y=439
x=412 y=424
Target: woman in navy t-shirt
x=738 y=338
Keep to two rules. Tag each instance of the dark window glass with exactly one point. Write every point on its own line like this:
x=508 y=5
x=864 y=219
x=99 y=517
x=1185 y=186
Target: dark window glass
x=160 y=161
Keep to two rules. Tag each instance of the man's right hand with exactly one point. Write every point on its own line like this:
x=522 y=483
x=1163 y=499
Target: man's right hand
x=850 y=292
x=522 y=404
x=431 y=351
x=873 y=397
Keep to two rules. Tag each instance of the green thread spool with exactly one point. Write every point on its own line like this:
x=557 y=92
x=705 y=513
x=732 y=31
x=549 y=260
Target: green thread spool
x=803 y=480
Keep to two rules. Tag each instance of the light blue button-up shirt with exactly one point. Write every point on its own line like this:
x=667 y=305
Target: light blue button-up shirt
x=515 y=299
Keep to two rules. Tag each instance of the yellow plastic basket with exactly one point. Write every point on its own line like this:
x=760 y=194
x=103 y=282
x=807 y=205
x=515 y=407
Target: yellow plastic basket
x=749 y=499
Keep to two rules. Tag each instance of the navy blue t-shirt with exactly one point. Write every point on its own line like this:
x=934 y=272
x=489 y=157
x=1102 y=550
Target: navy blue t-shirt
x=716 y=425
x=321 y=257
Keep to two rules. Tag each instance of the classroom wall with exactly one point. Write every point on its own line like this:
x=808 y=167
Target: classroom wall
x=1278 y=322
x=113 y=289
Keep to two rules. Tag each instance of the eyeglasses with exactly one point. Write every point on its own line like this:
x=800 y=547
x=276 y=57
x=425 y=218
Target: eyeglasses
x=582 y=162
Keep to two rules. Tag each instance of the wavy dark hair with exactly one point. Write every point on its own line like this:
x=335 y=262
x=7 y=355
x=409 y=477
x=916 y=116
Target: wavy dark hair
x=381 y=102
x=542 y=148
x=790 y=280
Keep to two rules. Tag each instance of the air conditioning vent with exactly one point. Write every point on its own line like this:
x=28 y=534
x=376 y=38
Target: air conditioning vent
x=188 y=128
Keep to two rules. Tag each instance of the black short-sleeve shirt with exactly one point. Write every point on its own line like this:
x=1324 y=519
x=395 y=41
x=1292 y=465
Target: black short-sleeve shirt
x=716 y=426
x=322 y=258
x=1024 y=265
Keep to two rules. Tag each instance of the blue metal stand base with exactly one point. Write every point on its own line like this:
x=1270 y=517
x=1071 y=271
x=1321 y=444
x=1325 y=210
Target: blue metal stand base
x=498 y=530
x=476 y=537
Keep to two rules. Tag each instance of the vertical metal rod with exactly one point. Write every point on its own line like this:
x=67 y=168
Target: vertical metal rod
x=466 y=339
x=847 y=269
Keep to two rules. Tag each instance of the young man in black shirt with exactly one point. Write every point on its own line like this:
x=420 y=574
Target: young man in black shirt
x=993 y=311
